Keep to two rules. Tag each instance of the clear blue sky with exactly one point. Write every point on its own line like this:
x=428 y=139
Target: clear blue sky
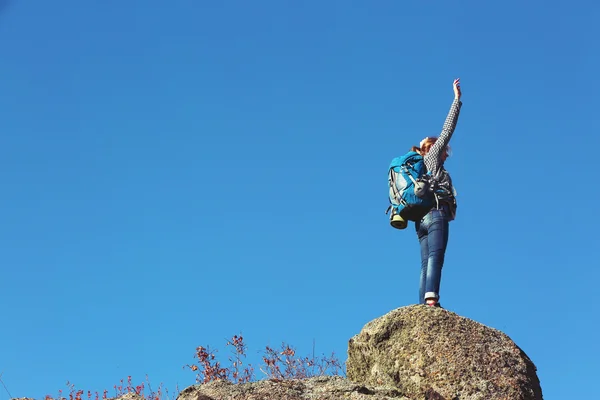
x=175 y=174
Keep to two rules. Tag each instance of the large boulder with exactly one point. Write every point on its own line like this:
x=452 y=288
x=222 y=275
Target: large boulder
x=432 y=353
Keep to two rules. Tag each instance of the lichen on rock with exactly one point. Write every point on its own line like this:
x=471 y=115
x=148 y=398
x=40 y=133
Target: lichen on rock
x=317 y=388
x=432 y=352
x=411 y=353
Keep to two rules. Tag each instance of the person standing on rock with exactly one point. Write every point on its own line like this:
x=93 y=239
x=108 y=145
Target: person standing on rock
x=432 y=230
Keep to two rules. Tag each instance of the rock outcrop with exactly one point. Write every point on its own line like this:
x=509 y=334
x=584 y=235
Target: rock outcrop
x=433 y=353
x=411 y=353
x=318 y=388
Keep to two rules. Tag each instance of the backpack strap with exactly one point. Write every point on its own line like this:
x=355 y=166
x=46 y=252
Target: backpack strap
x=408 y=172
x=396 y=193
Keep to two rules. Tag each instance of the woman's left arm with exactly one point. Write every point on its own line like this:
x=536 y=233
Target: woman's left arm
x=442 y=141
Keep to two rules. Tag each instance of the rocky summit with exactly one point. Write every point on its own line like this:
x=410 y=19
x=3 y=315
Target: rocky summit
x=432 y=353
x=411 y=353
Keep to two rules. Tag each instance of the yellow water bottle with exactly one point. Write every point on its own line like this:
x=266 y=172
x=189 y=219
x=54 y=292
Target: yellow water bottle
x=398 y=222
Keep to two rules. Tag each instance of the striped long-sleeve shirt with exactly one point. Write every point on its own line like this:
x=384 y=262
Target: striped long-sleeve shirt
x=433 y=158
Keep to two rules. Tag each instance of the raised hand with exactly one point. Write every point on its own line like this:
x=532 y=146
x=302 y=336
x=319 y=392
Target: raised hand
x=456 y=86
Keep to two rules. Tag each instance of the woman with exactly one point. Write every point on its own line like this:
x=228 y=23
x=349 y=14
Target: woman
x=432 y=230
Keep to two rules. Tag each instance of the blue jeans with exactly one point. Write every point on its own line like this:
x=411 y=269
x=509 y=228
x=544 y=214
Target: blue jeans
x=432 y=232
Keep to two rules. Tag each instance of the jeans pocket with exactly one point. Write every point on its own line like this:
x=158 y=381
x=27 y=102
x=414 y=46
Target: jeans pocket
x=437 y=213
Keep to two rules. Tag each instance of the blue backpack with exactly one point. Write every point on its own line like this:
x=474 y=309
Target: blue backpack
x=411 y=192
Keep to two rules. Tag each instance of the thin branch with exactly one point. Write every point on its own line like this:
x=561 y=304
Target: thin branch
x=5 y=388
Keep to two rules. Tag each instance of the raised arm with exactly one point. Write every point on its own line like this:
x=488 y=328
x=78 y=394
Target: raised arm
x=437 y=150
